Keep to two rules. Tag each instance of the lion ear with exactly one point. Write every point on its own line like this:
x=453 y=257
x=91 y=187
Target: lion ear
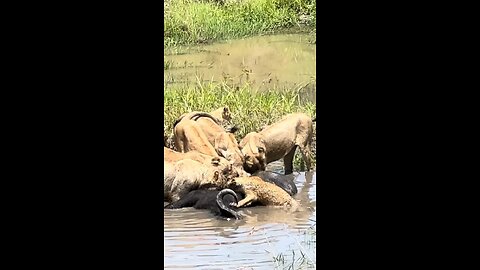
x=225 y=109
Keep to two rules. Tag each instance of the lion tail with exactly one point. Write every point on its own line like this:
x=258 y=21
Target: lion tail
x=195 y=115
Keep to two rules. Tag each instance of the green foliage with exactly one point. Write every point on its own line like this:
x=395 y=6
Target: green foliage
x=167 y=65
x=251 y=110
x=189 y=21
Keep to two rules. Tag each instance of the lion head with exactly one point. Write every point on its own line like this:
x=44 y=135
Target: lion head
x=254 y=151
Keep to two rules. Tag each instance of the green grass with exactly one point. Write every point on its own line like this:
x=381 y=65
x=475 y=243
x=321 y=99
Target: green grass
x=251 y=109
x=302 y=255
x=167 y=65
x=194 y=21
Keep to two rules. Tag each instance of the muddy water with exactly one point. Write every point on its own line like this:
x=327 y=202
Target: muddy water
x=265 y=62
x=266 y=238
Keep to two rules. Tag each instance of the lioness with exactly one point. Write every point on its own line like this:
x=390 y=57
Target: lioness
x=189 y=136
x=186 y=175
x=210 y=125
x=170 y=155
x=277 y=141
x=227 y=146
x=220 y=115
x=223 y=142
x=223 y=114
x=257 y=190
x=195 y=115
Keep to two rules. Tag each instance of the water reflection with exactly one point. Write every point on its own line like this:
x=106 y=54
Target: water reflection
x=266 y=62
x=196 y=239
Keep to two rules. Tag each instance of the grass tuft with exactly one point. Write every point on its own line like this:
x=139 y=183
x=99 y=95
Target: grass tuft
x=251 y=110
x=193 y=21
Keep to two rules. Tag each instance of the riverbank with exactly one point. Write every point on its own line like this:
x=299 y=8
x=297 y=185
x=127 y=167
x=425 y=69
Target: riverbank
x=251 y=110
x=194 y=21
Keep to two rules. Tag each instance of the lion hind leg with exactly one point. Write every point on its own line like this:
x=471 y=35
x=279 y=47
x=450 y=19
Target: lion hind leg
x=288 y=161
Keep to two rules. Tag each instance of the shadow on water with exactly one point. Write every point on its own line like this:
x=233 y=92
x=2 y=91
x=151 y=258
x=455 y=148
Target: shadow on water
x=194 y=239
x=264 y=62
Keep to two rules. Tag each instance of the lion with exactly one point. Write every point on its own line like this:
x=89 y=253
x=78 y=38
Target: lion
x=258 y=191
x=210 y=125
x=170 y=155
x=181 y=177
x=189 y=136
x=227 y=146
x=224 y=143
x=223 y=114
x=195 y=115
x=220 y=115
x=277 y=141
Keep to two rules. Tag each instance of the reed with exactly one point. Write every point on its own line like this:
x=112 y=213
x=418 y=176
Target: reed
x=193 y=21
x=251 y=109
x=300 y=256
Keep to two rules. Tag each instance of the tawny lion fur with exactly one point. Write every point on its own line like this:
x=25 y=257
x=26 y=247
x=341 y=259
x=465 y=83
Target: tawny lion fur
x=222 y=114
x=257 y=190
x=170 y=155
x=190 y=137
x=277 y=141
x=186 y=175
x=224 y=143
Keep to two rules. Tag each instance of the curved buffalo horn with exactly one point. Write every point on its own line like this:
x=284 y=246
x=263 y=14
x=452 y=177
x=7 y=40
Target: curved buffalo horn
x=222 y=205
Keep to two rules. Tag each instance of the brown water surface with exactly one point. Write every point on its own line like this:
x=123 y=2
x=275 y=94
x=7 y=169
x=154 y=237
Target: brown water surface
x=264 y=62
x=195 y=239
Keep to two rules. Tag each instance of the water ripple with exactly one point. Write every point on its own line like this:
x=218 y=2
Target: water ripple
x=266 y=236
